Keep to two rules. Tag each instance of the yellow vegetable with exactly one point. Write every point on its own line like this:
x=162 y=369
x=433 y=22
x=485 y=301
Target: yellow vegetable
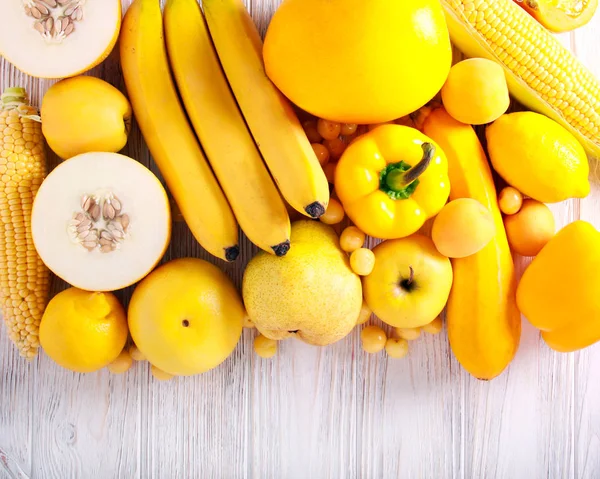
x=541 y=73
x=484 y=324
x=24 y=279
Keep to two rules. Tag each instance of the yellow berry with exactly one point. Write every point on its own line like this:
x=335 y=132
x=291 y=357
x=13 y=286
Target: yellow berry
x=336 y=148
x=159 y=374
x=365 y=313
x=334 y=213
x=248 y=323
x=265 y=347
x=348 y=129
x=434 y=327
x=328 y=129
x=410 y=334
x=351 y=239
x=310 y=128
x=373 y=339
x=396 y=348
x=122 y=364
x=329 y=170
x=510 y=200
x=362 y=261
x=322 y=153
x=135 y=353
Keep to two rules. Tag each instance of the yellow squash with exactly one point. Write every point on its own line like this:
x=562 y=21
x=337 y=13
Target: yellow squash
x=168 y=134
x=484 y=324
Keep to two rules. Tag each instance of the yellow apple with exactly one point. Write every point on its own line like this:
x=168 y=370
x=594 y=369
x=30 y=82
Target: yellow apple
x=85 y=114
x=410 y=283
x=186 y=317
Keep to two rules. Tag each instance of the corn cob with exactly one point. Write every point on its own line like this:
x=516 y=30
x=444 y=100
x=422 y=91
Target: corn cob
x=541 y=73
x=24 y=279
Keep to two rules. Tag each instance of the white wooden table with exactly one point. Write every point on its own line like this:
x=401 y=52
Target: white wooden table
x=333 y=412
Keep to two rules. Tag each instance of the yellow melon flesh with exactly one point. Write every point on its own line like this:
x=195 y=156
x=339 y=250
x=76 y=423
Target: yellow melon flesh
x=101 y=221
x=58 y=38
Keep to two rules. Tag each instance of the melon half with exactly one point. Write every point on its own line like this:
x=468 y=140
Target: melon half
x=101 y=221
x=58 y=38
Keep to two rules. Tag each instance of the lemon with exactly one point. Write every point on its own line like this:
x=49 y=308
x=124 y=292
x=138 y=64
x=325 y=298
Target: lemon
x=83 y=331
x=538 y=156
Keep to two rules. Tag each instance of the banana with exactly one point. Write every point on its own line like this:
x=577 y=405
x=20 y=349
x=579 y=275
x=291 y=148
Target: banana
x=168 y=134
x=271 y=118
x=220 y=126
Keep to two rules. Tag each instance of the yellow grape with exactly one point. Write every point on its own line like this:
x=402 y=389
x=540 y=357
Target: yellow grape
x=265 y=347
x=159 y=374
x=365 y=313
x=510 y=200
x=373 y=339
x=396 y=348
x=410 y=334
x=136 y=354
x=434 y=327
x=351 y=239
x=362 y=261
x=328 y=129
x=122 y=364
x=349 y=129
x=322 y=153
x=334 y=213
x=312 y=133
x=336 y=148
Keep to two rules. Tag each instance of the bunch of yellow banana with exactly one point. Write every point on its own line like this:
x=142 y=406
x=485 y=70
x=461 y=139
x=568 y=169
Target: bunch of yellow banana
x=209 y=82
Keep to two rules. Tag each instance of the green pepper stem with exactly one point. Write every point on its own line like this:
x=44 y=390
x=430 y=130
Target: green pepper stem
x=398 y=179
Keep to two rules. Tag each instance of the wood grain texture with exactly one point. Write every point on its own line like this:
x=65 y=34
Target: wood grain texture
x=310 y=412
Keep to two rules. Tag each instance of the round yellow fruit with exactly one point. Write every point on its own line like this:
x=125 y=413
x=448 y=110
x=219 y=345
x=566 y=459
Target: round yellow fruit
x=186 y=317
x=85 y=114
x=265 y=347
x=33 y=40
x=530 y=229
x=476 y=91
x=373 y=339
x=410 y=283
x=311 y=292
x=462 y=228
x=356 y=61
x=83 y=331
x=538 y=156
x=396 y=348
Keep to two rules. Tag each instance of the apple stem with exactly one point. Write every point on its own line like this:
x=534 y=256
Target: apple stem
x=412 y=276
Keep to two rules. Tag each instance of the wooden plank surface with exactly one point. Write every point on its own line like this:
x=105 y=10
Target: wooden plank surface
x=333 y=412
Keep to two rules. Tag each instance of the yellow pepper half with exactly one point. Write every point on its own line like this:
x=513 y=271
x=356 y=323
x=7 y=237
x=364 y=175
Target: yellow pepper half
x=392 y=180
x=559 y=292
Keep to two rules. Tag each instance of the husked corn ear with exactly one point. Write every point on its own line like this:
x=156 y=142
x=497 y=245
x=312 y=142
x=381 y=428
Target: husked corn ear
x=541 y=73
x=24 y=279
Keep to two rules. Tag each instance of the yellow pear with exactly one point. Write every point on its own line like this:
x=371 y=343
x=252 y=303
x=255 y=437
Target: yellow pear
x=311 y=292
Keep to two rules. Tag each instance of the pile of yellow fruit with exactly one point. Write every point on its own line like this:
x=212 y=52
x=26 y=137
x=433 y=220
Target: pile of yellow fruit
x=350 y=117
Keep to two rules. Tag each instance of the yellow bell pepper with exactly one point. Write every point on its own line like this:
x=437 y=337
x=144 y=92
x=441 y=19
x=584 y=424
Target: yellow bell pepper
x=392 y=180
x=559 y=292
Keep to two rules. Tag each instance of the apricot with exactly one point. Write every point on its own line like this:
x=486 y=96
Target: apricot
x=462 y=228
x=476 y=91
x=530 y=229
